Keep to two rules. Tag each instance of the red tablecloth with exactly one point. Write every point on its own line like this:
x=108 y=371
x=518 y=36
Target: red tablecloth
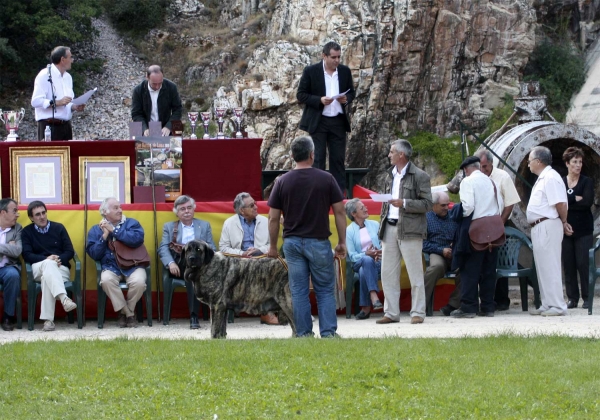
x=213 y=170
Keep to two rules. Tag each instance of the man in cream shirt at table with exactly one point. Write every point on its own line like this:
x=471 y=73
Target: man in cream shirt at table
x=547 y=215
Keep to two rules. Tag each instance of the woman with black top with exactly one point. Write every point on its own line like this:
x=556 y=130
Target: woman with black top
x=575 y=247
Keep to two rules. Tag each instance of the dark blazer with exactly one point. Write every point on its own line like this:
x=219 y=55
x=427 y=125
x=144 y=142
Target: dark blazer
x=169 y=104
x=312 y=88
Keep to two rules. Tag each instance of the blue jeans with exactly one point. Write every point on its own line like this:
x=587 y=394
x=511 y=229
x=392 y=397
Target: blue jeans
x=306 y=256
x=10 y=279
x=369 y=272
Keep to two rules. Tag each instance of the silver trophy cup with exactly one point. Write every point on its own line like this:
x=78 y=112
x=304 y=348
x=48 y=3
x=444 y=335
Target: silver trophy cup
x=220 y=113
x=11 y=120
x=238 y=114
x=193 y=117
x=205 y=122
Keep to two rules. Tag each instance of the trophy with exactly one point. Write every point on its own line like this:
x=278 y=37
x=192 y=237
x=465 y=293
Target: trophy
x=237 y=113
x=220 y=113
x=205 y=121
x=193 y=116
x=11 y=120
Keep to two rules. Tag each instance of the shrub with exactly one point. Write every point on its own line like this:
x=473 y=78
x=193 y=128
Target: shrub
x=136 y=16
x=445 y=152
x=561 y=72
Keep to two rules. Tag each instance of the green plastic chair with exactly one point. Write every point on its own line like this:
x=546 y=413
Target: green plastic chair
x=594 y=273
x=352 y=286
x=508 y=265
x=169 y=285
x=73 y=290
x=18 y=309
x=447 y=275
x=123 y=286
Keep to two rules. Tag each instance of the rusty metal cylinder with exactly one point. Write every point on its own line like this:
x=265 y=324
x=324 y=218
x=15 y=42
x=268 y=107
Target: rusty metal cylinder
x=514 y=146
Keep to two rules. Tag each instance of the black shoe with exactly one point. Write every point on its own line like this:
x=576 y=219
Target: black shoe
x=377 y=305
x=572 y=304
x=459 y=313
x=362 y=315
x=7 y=325
x=194 y=323
x=482 y=313
x=122 y=321
x=586 y=304
x=503 y=307
x=446 y=310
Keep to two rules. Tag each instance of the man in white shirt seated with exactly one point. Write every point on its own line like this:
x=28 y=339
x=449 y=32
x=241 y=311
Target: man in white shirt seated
x=186 y=229
x=247 y=234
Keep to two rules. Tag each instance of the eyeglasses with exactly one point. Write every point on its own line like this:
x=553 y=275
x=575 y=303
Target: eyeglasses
x=253 y=204
x=184 y=209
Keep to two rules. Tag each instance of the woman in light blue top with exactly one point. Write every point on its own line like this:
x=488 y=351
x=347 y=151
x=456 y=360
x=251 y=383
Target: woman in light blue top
x=364 y=250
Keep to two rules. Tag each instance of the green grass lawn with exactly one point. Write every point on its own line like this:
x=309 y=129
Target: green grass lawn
x=494 y=377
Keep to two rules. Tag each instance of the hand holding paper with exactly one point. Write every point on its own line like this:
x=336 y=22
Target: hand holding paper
x=340 y=95
x=81 y=100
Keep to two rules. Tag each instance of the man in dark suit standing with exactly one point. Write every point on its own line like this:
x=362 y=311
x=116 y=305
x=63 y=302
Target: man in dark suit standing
x=326 y=90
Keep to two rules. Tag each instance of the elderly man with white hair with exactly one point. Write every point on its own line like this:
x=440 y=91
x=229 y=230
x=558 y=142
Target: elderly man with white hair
x=114 y=226
x=247 y=234
x=186 y=228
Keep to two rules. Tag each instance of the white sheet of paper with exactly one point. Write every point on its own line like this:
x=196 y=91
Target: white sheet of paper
x=80 y=100
x=340 y=95
x=439 y=188
x=382 y=198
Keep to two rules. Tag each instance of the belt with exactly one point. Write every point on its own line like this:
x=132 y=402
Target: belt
x=335 y=116
x=55 y=121
x=538 y=221
x=392 y=222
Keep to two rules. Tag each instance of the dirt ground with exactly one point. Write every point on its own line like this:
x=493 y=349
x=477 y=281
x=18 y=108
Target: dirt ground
x=514 y=321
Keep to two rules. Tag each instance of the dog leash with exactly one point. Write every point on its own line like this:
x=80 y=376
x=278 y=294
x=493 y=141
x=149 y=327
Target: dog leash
x=281 y=260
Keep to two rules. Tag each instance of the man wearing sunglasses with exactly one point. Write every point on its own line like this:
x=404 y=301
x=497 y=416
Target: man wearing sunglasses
x=247 y=234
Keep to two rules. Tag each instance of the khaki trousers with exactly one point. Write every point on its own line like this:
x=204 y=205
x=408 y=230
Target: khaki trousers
x=392 y=252
x=438 y=266
x=52 y=279
x=546 y=238
x=137 y=286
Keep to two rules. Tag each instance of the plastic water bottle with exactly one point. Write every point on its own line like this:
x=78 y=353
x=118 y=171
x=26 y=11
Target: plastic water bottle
x=47 y=134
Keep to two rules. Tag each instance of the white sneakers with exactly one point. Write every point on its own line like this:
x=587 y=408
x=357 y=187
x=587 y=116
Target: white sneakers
x=547 y=312
x=48 y=326
x=68 y=304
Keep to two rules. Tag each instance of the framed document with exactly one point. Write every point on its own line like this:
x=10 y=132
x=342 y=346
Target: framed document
x=104 y=176
x=41 y=173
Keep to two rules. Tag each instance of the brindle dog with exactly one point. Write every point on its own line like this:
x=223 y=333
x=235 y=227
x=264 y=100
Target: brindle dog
x=255 y=286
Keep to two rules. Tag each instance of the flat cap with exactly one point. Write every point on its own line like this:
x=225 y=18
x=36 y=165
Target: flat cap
x=468 y=161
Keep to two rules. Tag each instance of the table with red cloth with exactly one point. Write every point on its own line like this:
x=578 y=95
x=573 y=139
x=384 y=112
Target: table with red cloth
x=213 y=170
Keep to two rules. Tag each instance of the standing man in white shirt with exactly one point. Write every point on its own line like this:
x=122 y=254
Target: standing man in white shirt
x=325 y=118
x=479 y=198
x=402 y=230
x=547 y=215
x=510 y=196
x=52 y=96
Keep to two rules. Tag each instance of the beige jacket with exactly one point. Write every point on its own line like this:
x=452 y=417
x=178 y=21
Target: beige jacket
x=233 y=234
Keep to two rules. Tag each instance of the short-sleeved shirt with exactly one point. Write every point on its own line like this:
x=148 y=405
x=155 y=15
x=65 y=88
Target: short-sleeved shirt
x=305 y=197
x=506 y=186
x=548 y=191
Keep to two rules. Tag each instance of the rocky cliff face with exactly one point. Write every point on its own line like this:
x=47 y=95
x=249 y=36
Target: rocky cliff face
x=416 y=65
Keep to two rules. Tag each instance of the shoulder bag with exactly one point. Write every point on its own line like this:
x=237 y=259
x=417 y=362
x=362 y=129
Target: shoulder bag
x=128 y=257
x=487 y=232
x=177 y=249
